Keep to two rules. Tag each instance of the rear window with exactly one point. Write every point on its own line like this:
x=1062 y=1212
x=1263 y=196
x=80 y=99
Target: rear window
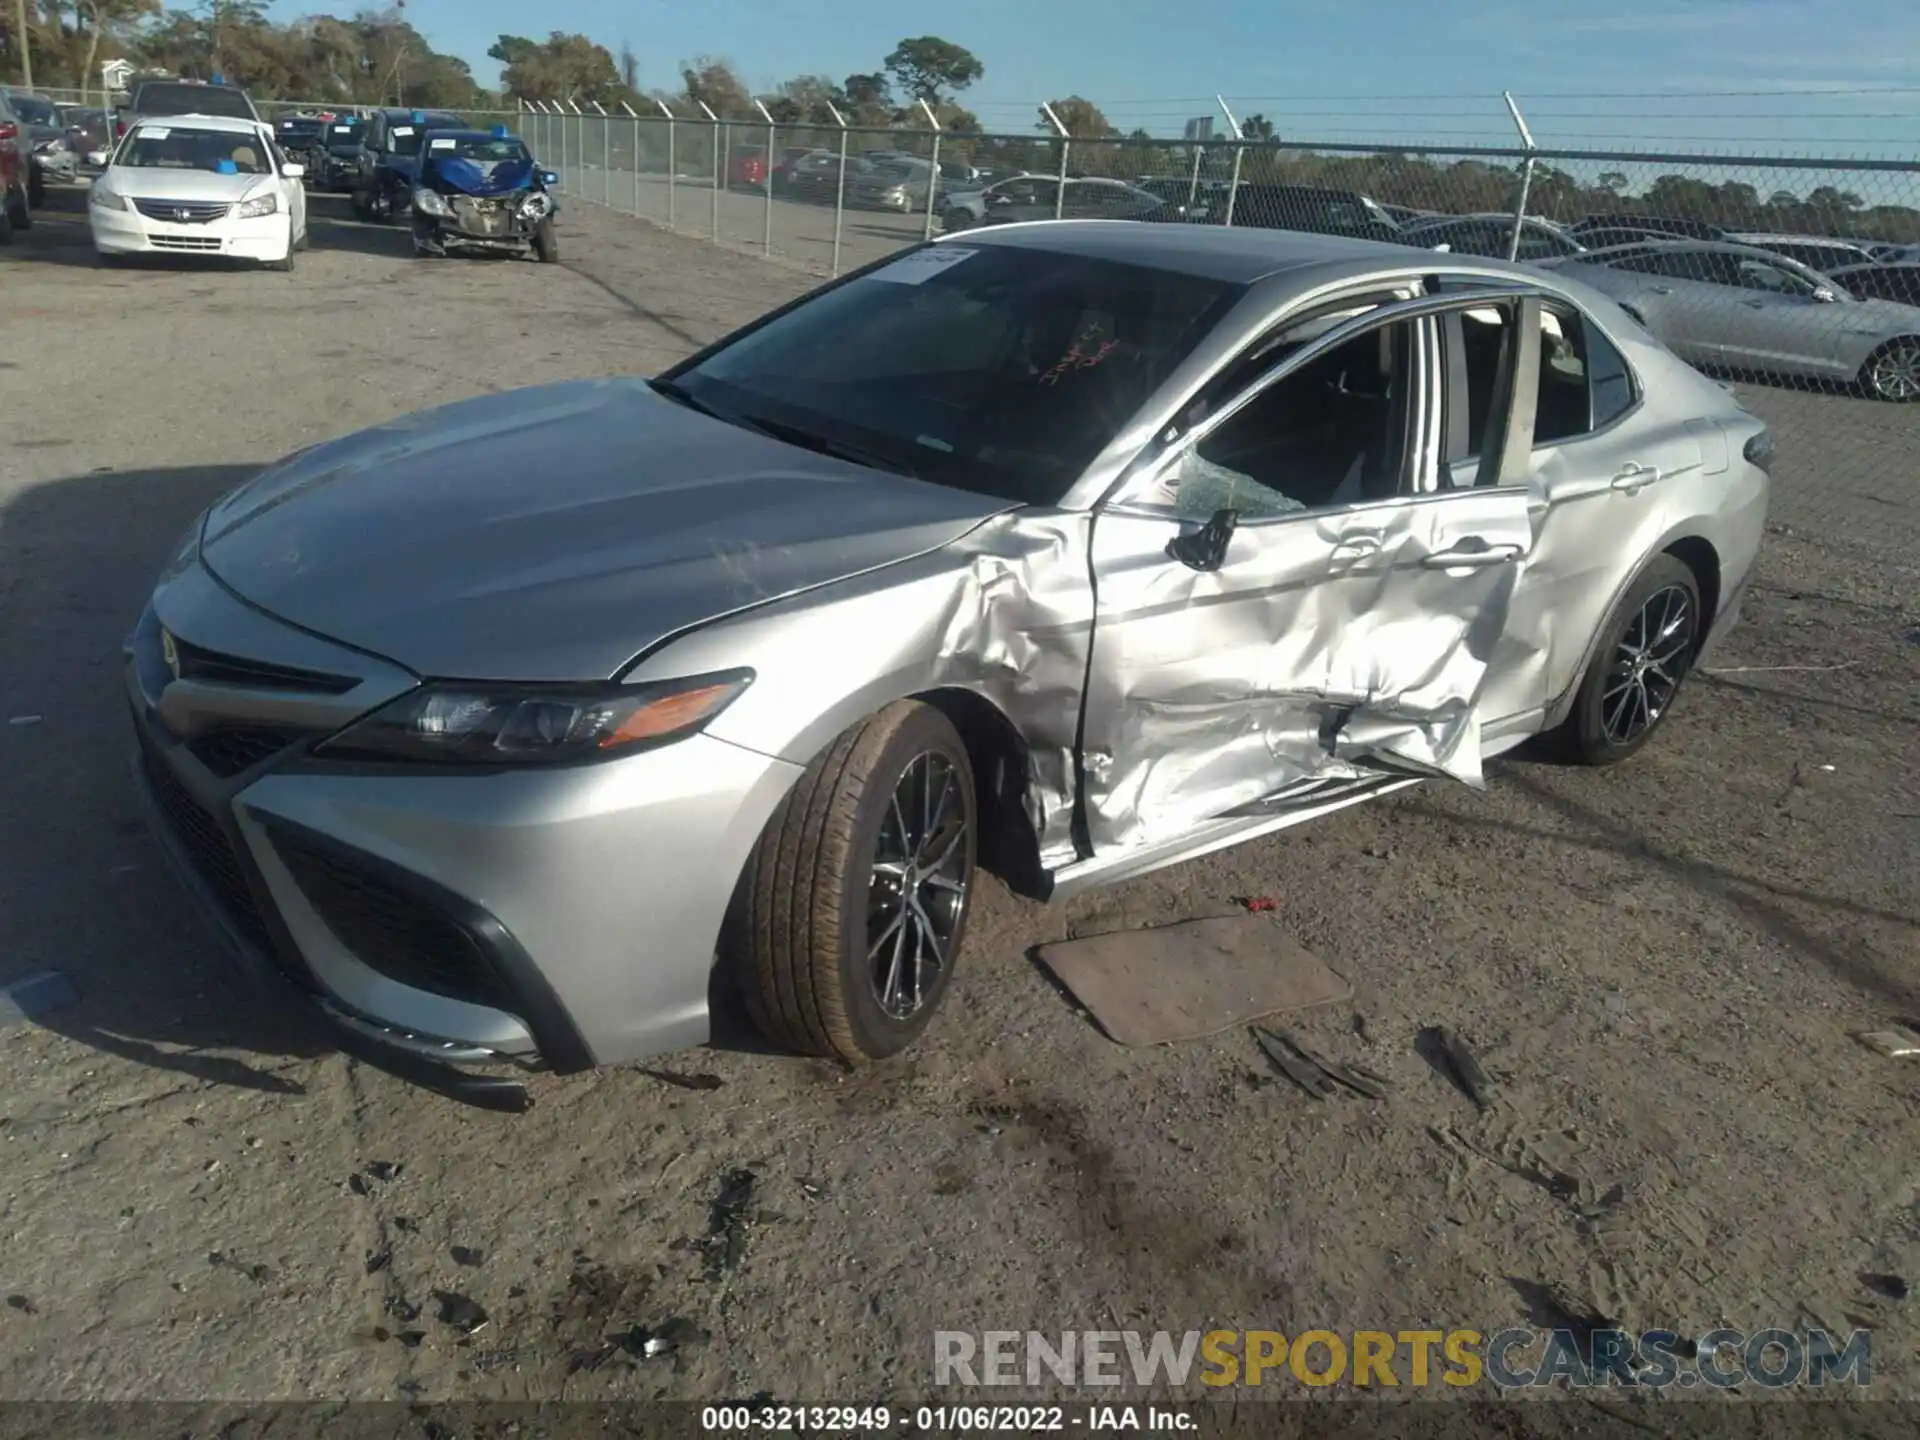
x=35 y=111
x=193 y=100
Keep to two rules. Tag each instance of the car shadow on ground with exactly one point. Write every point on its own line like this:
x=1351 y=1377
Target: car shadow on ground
x=88 y=892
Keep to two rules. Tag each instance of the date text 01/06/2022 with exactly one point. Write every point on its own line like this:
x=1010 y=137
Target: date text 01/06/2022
x=956 y=1419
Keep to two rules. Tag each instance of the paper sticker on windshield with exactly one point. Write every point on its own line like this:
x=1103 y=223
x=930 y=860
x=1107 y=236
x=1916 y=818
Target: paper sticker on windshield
x=441 y=144
x=154 y=132
x=343 y=129
x=400 y=130
x=922 y=265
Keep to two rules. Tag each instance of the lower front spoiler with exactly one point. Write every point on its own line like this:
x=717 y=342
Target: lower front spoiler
x=432 y=1064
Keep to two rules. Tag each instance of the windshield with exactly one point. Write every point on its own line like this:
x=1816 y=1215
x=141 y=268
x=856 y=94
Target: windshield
x=345 y=135
x=170 y=147
x=996 y=369
x=192 y=100
x=482 y=152
x=35 y=111
x=404 y=138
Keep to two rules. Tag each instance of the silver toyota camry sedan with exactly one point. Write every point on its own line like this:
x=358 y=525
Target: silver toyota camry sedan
x=522 y=732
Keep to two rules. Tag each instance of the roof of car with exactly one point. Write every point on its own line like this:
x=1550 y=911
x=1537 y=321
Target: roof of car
x=233 y=124
x=466 y=132
x=1769 y=237
x=1238 y=255
x=1875 y=267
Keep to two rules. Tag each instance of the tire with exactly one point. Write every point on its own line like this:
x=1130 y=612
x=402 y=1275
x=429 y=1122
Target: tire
x=36 y=188
x=1618 y=708
x=1892 y=373
x=306 y=239
x=955 y=221
x=285 y=267
x=19 y=212
x=813 y=910
x=546 y=243
x=6 y=227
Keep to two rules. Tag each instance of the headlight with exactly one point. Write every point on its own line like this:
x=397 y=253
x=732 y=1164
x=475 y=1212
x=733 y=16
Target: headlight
x=98 y=194
x=536 y=725
x=268 y=204
x=430 y=202
x=536 y=207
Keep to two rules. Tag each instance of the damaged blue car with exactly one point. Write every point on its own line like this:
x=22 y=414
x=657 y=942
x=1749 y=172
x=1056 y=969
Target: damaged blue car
x=479 y=191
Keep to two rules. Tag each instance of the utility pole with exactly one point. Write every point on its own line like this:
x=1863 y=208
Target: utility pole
x=26 y=43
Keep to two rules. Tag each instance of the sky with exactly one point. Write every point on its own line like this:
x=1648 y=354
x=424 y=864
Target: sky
x=1815 y=76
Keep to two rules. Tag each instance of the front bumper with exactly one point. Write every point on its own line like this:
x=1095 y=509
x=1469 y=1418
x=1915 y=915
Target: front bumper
x=265 y=238
x=441 y=924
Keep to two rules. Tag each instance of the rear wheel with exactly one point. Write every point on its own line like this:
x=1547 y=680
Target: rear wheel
x=19 y=213
x=546 y=244
x=853 y=907
x=36 y=187
x=1645 y=651
x=1893 y=371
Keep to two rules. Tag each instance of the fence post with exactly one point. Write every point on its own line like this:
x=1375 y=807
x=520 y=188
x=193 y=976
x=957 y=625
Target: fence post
x=568 y=172
x=719 y=160
x=635 y=186
x=933 y=176
x=1193 y=185
x=766 y=232
x=1060 y=188
x=673 y=166
x=606 y=154
x=1239 y=154
x=839 y=187
x=1526 y=174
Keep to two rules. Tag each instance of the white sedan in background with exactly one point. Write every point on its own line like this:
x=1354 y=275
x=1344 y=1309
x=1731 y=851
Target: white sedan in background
x=200 y=185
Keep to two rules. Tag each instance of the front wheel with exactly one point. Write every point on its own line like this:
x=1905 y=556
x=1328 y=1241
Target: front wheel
x=1646 y=649
x=853 y=907
x=546 y=243
x=1893 y=371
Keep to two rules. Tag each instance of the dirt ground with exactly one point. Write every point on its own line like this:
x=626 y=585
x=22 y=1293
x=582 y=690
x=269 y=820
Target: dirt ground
x=1662 y=964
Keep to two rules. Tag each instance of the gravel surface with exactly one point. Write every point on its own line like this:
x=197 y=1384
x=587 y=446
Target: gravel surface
x=1662 y=964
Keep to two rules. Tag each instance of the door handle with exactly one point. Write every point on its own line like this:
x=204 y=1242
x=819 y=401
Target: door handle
x=1634 y=477
x=1754 y=304
x=1472 y=554
x=1661 y=289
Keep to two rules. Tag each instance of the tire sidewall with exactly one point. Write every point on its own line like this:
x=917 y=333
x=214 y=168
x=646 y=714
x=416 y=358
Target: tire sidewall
x=1590 y=733
x=877 y=1033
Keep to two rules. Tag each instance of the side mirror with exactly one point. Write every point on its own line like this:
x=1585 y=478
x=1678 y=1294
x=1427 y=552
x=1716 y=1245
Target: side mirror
x=1826 y=295
x=549 y=177
x=1205 y=549
x=294 y=172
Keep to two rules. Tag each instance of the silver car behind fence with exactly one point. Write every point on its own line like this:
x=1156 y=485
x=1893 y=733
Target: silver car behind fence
x=1072 y=551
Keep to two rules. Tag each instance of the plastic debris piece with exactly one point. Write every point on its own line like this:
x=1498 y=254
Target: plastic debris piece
x=23 y=1304
x=1466 y=1067
x=1259 y=904
x=728 y=1220
x=468 y=1256
x=1896 y=1043
x=357 y=1183
x=1309 y=1077
x=461 y=1312
x=35 y=995
x=378 y=1260
x=1887 y=1287
x=1356 y=1078
x=384 y=1170
x=485 y=1361
x=683 y=1081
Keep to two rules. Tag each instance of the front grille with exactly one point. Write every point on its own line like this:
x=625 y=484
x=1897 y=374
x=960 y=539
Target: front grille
x=179 y=242
x=230 y=749
x=207 y=846
x=212 y=668
x=390 y=930
x=483 y=217
x=182 y=212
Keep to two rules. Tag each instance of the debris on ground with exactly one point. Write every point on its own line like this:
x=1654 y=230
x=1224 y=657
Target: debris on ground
x=680 y=1080
x=461 y=1312
x=485 y=1361
x=1258 y=904
x=35 y=995
x=378 y=1260
x=1887 y=1287
x=1361 y=1030
x=813 y=1189
x=729 y=1218
x=259 y=1274
x=1462 y=1064
x=24 y=1305
x=1314 y=1073
x=405 y=1311
x=384 y=1170
x=1896 y=1043
x=469 y=1257
x=357 y=1183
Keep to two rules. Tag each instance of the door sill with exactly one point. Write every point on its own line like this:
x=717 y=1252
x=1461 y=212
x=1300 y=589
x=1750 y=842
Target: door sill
x=1263 y=817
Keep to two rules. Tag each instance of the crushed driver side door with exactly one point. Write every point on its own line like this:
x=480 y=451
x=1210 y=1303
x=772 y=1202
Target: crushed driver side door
x=1336 y=631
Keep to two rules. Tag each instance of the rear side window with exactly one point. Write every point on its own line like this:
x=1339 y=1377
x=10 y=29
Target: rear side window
x=1584 y=381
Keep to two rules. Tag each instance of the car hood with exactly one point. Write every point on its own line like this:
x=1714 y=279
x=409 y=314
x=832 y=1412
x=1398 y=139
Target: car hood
x=153 y=183
x=554 y=533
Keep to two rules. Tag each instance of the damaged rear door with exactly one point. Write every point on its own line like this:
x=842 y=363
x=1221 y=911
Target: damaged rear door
x=1289 y=595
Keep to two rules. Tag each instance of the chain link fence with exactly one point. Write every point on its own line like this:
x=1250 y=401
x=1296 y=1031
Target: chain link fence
x=1796 y=280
